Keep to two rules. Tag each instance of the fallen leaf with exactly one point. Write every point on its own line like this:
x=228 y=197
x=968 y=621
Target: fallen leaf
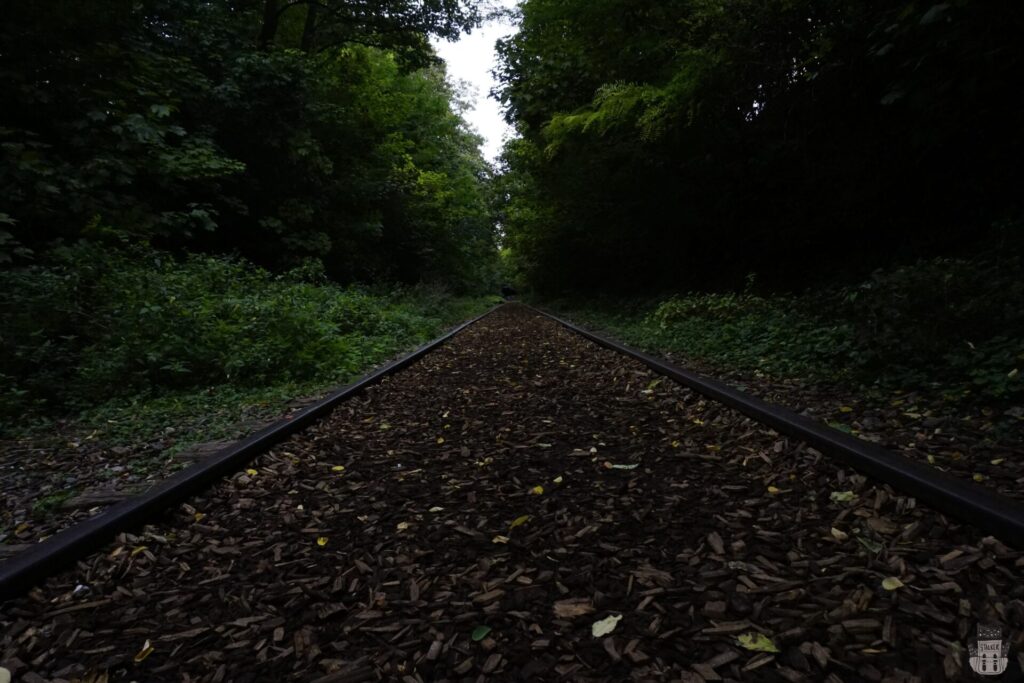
x=758 y=642
x=402 y=526
x=978 y=477
x=613 y=466
x=322 y=541
x=440 y=439
x=558 y=479
x=199 y=516
x=891 y=583
x=519 y=521
x=839 y=535
x=774 y=490
x=605 y=626
x=338 y=468
x=998 y=461
x=842 y=496
x=436 y=508
x=499 y=539
x=537 y=490
x=5 y=675
x=146 y=651
x=845 y=409
x=572 y=608
x=480 y=632
x=251 y=472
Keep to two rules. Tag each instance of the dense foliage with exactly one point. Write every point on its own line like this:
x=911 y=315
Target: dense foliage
x=281 y=131
x=952 y=326
x=690 y=142
x=96 y=325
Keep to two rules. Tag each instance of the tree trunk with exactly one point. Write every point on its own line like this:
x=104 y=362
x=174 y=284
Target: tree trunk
x=270 y=21
x=309 y=29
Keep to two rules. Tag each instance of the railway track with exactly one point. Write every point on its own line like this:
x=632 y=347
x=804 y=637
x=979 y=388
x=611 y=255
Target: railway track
x=518 y=484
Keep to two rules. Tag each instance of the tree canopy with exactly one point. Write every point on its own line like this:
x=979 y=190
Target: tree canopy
x=665 y=143
x=280 y=130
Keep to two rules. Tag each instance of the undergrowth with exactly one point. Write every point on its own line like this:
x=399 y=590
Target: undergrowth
x=134 y=344
x=954 y=326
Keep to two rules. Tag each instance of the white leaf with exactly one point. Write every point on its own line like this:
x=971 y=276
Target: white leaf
x=605 y=626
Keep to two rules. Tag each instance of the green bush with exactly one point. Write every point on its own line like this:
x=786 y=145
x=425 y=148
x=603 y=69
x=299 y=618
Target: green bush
x=957 y=324
x=96 y=324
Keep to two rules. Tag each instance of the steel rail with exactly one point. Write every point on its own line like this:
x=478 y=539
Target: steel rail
x=29 y=567
x=958 y=498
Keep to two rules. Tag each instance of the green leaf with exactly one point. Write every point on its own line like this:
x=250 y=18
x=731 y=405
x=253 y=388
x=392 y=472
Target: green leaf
x=891 y=583
x=758 y=642
x=842 y=496
x=480 y=632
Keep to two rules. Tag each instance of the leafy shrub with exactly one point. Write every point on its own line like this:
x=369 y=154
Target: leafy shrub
x=952 y=323
x=96 y=323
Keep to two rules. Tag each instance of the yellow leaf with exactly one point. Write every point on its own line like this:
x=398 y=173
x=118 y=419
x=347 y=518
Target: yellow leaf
x=558 y=479
x=440 y=439
x=519 y=521
x=891 y=583
x=338 y=468
x=537 y=490
x=436 y=508
x=499 y=539
x=402 y=526
x=146 y=651
x=199 y=516
x=251 y=472
x=322 y=541
x=605 y=626
x=839 y=535
x=774 y=490
x=845 y=409
x=758 y=642
x=999 y=461
x=979 y=477
x=675 y=444
x=931 y=459
x=136 y=551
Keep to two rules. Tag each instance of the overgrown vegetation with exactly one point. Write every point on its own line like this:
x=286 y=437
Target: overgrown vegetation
x=210 y=208
x=100 y=325
x=952 y=327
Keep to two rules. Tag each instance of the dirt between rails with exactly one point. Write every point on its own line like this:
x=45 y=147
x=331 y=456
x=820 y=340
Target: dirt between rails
x=474 y=516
